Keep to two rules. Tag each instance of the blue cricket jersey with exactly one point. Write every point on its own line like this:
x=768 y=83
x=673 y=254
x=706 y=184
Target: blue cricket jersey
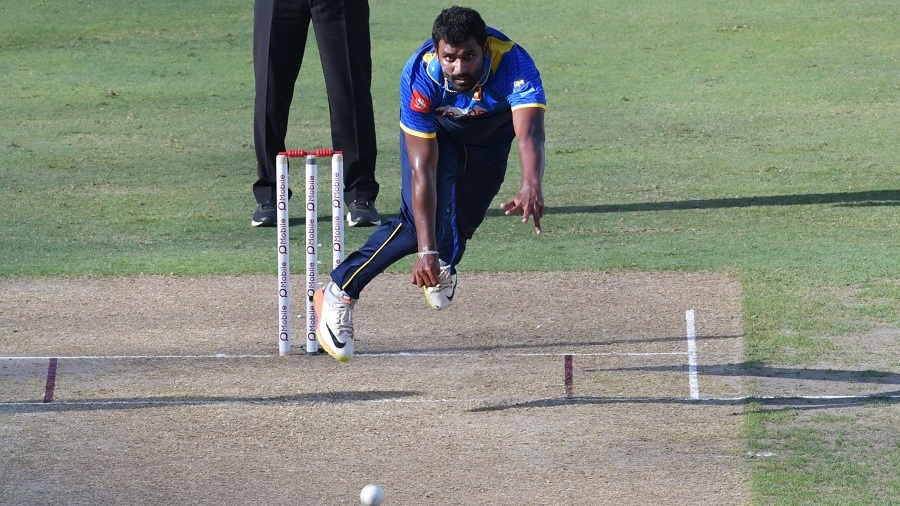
x=510 y=81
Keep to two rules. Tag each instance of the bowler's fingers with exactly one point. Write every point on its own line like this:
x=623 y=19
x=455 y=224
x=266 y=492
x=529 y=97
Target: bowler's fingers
x=426 y=279
x=419 y=279
x=513 y=207
x=534 y=210
x=424 y=275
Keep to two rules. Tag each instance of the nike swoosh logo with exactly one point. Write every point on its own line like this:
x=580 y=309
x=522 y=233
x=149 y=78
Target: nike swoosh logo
x=334 y=339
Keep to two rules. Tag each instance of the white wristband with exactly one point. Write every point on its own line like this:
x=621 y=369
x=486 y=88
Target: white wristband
x=426 y=252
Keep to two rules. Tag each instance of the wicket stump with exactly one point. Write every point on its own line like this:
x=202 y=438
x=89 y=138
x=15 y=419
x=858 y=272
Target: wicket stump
x=282 y=169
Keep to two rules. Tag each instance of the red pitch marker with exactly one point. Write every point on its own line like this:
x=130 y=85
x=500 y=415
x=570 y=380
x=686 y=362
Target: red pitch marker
x=51 y=381
x=569 y=380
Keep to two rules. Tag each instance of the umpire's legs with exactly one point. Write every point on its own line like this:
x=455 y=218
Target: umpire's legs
x=279 y=39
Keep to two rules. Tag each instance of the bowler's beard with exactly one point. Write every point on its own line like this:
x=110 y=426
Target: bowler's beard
x=468 y=84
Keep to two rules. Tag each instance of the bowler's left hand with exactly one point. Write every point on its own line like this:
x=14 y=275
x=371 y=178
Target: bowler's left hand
x=528 y=202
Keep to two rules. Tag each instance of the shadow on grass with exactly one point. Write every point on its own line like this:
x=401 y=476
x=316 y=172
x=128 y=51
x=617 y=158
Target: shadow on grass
x=854 y=199
x=748 y=369
x=876 y=198
x=319 y=398
x=760 y=370
x=764 y=403
x=541 y=345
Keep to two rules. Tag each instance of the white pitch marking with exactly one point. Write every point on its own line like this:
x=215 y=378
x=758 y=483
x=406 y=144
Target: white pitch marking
x=536 y=354
x=222 y=402
x=370 y=355
x=693 y=379
x=137 y=357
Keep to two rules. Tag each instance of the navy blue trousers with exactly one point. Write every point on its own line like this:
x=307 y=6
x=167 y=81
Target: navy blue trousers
x=468 y=178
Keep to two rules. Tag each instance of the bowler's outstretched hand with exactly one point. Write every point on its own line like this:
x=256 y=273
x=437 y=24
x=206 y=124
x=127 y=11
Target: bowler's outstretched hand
x=528 y=202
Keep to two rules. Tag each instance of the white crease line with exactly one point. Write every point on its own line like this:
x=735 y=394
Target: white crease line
x=693 y=378
x=369 y=355
x=136 y=357
x=545 y=354
x=215 y=402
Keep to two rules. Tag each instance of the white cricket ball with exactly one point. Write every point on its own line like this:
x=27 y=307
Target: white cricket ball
x=371 y=495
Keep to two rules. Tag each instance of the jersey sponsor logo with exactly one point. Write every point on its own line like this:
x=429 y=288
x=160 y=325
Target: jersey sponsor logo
x=455 y=112
x=518 y=86
x=419 y=103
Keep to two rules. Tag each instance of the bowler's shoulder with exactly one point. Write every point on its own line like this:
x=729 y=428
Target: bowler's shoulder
x=421 y=63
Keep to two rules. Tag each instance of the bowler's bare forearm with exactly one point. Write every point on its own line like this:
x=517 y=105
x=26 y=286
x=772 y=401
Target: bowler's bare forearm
x=528 y=123
x=422 y=154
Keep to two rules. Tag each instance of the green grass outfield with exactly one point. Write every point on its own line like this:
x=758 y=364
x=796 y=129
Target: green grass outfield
x=758 y=139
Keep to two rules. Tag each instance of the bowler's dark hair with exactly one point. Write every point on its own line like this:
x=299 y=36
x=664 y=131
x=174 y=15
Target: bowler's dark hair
x=455 y=25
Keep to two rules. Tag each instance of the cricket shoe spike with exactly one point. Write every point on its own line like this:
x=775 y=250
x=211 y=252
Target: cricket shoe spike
x=334 y=317
x=440 y=296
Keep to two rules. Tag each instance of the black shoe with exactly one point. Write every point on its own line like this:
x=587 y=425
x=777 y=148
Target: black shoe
x=362 y=213
x=265 y=215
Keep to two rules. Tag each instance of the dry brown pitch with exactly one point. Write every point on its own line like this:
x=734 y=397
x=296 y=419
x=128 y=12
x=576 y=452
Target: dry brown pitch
x=169 y=390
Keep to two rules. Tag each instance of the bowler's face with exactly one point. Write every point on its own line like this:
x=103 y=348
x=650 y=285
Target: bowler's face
x=463 y=65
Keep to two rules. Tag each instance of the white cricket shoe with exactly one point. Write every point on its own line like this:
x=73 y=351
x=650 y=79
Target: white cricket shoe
x=334 y=317
x=440 y=296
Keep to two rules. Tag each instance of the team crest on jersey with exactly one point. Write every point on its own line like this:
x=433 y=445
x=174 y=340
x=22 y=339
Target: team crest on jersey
x=419 y=103
x=518 y=85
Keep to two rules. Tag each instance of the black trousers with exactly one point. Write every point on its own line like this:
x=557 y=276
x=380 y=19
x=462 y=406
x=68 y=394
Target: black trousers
x=341 y=28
